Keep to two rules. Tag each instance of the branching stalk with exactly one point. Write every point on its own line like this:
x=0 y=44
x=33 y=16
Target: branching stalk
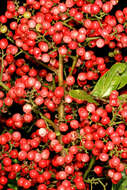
x=2 y=65
x=33 y=58
x=1 y=73
x=61 y=106
x=61 y=83
x=92 y=38
x=69 y=26
x=91 y=163
x=41 y=63
x=4 y=86
x=42 y=116
x=75 y=59
x=49 y=121
x=104 y=186
x=60 y=71
x=21 y=51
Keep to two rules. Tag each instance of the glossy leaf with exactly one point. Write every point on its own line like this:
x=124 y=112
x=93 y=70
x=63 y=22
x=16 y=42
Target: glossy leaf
x=122 y=184
x=122 y=97
x=111 y=80
x=12 y=184
x=123 y=80
x=82 y=95
x=12 y=187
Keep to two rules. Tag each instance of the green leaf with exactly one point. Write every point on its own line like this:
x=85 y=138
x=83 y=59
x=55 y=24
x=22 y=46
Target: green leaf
x=82 y=95
x=122 y=97
x=13 y=186
x=111 y=80
x=122 y=184
x=114 y=187
x=123 y=80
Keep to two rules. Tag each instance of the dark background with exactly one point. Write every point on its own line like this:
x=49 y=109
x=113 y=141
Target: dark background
x=3 y=5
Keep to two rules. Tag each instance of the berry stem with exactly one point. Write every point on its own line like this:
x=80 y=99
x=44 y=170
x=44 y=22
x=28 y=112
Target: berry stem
x=65 y=21
x=60 y=71
x=61 y=106
x=40 y=63
x=91 y=163
x=4 y=86
x=75 y=59
x=49 y=121
x=61 y=83
x=102 y=184
x=1 y=74
x=2 y=65
x=42 y=116
x=21 y=51
x=69 y=26
x=92 y=38
x=33 y=58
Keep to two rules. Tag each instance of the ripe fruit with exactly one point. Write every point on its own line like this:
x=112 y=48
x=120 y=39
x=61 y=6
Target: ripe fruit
x=55 y=134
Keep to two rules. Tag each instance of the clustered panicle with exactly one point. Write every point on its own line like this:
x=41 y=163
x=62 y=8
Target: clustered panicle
x=52 y=139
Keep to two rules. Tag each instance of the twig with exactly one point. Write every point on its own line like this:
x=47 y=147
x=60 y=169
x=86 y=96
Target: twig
x=69 y=26
x=91 y=163
x=49 y=121
x=92 y=38
x=4 y=86
x=2 y=65
x=102 y=184
x=61 y=106
x=42 y=116
x=33 y=58
x=21 y=51
x=73 y=65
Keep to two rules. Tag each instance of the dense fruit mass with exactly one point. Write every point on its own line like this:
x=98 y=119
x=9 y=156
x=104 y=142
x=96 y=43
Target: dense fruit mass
x=63 y=97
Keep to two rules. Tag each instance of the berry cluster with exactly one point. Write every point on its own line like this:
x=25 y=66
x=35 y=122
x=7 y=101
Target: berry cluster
x=57 y=131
